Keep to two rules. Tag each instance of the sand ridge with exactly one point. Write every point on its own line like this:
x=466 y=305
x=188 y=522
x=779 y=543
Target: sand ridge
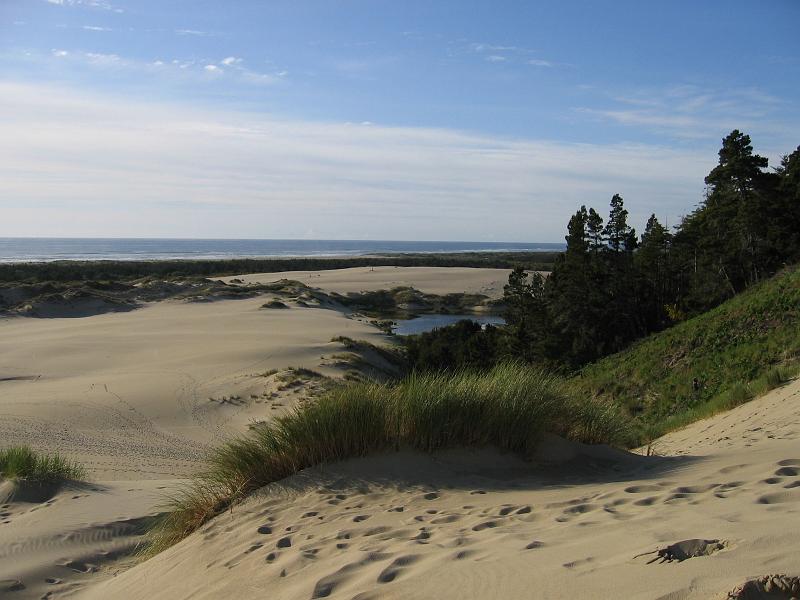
x=483 y=525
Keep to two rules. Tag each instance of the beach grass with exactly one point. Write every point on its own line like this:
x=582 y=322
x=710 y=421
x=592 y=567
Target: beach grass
x=508 y=407
x=22 y=463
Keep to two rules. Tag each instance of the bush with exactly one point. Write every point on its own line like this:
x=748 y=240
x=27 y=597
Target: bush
x=462 y=345
x=22 y=463
x=508 y=408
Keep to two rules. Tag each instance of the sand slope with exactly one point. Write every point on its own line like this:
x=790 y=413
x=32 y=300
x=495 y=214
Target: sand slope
x=479 y=525
x=129 y=394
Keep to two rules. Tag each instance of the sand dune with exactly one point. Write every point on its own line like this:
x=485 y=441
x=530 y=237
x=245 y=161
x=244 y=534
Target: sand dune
x=431 y=280
x=130 y=394
x=480 y=525
x=139 y=397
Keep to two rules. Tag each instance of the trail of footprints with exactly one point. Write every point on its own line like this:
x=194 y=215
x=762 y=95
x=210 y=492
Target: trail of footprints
x=408 y=522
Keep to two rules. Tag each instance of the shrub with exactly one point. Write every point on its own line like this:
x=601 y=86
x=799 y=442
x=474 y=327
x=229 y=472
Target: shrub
x=22 y=463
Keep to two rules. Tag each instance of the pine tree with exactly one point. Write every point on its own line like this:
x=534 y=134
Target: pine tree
x=594 y=231
x=735 y=232
x=526 y=314
x=652 y=265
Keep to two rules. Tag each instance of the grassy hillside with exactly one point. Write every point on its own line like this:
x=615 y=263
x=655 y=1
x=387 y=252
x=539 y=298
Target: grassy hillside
x=740 y=349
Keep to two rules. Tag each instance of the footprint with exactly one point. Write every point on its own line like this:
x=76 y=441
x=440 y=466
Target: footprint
x=485 y=525
x=396 y=567
x=446 y=519
x=264 y=529
x=328 y=584
x=779 y=498
x=359 y=518
x=284 y=542
x=647 y=501
x=422 y=536
x=788 y=472
x=639 y=489
x=534 y=544
x=695 y=489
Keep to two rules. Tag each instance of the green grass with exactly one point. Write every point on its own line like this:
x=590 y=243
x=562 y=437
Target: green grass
x=508 y=408
x=22 y=463
x=736 y=351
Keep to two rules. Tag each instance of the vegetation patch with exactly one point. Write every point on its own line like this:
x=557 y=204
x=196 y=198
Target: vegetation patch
x=707 y=364
x=20 y=463
x=404 y=302
x=275 y=303
x=508 y=408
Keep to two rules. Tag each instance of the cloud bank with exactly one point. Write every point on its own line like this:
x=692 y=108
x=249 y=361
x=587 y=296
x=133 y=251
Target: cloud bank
x=74 y=164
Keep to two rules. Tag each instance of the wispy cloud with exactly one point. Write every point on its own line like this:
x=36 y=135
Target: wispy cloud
x=95 y=28
x=694 y=112
x=498 y=53
x=178 y=170
x=231 y=67
x=101 y=4
x=195 y=32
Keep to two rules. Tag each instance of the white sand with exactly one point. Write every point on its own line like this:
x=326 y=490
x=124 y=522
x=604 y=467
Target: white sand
x=479 y=525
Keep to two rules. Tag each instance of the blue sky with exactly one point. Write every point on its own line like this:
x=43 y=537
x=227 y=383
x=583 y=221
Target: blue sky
x=372 y=119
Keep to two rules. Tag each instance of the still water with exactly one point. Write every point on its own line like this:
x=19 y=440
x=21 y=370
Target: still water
x=425 y=323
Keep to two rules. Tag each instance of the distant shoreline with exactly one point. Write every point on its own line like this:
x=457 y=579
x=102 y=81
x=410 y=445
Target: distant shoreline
x=16 y=250
x=72 y=270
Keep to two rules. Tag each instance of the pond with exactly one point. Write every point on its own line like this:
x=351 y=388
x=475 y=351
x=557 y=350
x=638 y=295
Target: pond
x=425 y=323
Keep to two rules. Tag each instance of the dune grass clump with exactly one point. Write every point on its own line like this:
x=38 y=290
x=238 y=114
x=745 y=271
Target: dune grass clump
x=508 y=408
x=22 y=463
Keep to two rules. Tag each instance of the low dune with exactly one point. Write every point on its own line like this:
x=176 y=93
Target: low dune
x=720 y=507
x=430 y=280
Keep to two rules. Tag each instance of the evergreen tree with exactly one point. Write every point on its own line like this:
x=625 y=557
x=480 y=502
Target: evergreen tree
x=525 y=314
x=652 y=265
x=621 y=237
x=594 y=231
x=734 y=233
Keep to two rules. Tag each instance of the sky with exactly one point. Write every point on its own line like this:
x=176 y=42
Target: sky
x=356 y=119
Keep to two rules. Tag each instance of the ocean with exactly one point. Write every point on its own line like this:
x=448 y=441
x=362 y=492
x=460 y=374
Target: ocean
x=50 y=249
